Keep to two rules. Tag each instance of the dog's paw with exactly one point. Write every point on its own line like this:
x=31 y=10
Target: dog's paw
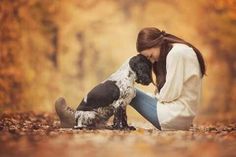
x=85 y=128
x=79 y=127
x=132 y=128
x=120 y=127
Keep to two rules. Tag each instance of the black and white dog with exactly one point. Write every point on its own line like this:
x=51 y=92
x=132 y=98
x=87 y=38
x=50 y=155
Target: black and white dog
x=111 y=96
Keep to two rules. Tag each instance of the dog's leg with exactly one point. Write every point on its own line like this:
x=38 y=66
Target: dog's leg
x=120 y=119
x=124 y=120
x=117 y=121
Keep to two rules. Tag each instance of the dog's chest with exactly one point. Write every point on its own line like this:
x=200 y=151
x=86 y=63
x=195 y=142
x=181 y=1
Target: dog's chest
x=125 y=83
x=125 y=80
x=127 y=90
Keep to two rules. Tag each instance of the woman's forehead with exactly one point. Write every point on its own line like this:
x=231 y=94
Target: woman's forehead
x=147 y=51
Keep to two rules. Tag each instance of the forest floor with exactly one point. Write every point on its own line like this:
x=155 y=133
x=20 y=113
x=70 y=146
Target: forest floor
x=30 y=134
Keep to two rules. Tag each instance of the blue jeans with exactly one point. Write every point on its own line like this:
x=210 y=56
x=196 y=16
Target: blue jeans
x=146 y=106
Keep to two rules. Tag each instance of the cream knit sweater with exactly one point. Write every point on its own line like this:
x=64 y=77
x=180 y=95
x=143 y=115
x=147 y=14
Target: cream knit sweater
x=178 y=99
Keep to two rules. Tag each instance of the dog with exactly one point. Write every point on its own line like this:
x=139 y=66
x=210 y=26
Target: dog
x=111 y=96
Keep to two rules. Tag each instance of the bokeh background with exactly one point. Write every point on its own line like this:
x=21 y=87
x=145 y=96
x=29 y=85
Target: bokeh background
x=52 y=48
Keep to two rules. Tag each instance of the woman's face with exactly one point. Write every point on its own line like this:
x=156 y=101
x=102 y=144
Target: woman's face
x=152 y=54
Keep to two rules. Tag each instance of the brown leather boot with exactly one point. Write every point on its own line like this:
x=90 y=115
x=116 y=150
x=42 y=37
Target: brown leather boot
x=65 y=113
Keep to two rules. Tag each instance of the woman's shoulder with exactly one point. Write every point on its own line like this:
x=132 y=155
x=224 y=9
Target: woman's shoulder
x=181 y=50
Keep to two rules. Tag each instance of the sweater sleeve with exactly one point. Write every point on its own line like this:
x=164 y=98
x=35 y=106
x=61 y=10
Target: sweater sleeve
x=174 y=78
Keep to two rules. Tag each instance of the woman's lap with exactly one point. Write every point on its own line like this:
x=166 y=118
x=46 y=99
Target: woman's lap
x=146 y=106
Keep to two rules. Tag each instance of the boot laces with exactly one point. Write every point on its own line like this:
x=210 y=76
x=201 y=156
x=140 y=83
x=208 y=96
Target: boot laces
x=70 y=110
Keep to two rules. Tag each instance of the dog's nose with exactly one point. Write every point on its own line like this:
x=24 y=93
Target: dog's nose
x=146 y=83
x=138 y=81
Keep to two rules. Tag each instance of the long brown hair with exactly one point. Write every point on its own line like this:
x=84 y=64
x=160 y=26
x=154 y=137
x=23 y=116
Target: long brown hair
x=152 y=37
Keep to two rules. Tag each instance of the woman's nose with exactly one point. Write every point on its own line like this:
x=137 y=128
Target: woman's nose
x=151 y=59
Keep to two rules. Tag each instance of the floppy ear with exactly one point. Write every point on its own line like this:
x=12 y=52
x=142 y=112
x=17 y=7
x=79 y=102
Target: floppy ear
x=133 y=62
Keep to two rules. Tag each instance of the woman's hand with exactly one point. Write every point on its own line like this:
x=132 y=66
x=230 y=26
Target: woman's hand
x=156 y=91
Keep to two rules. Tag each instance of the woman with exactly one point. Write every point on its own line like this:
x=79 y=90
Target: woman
x=179 y=68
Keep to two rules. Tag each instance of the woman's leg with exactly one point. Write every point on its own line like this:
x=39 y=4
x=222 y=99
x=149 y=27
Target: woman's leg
x=146 y=106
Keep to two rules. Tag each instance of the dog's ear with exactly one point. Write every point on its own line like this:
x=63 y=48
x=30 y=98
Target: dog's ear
x=144 y=59
x=133 y=62
x=136 y=59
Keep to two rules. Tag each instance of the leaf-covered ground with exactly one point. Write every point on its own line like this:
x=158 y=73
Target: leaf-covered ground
x=36 y=135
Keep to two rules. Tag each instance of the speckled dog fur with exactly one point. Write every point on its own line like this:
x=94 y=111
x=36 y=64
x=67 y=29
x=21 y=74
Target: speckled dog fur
x=115 y=92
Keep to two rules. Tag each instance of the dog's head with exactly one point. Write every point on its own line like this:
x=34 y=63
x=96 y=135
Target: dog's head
x=142 y=68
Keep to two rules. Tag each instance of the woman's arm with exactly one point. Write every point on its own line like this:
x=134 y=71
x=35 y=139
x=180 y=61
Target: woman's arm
x=174 y=78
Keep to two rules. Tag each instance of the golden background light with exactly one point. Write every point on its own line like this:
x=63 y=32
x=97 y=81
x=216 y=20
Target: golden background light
x=64 y=48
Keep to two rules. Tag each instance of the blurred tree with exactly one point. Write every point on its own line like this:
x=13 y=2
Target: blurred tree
x=218 y=29
x=11 y=77
x=23 y=27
